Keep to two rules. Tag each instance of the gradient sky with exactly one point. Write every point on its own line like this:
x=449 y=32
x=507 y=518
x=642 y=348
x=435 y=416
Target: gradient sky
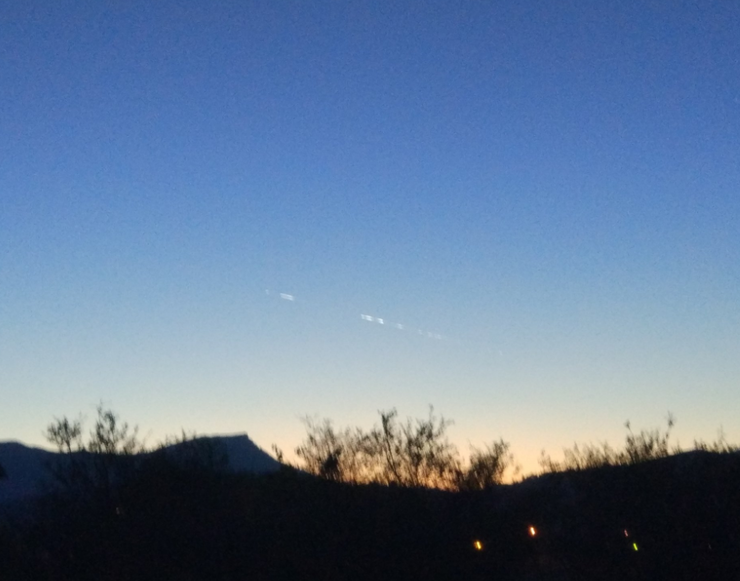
x=549 y=191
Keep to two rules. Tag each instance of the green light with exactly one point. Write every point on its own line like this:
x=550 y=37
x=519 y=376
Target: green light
x=634 y=546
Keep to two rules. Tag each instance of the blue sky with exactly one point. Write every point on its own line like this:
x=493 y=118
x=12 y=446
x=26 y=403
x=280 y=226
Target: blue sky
x=549 y=192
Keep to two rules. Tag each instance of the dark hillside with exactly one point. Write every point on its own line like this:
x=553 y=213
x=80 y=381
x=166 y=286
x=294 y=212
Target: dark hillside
x=675 y=518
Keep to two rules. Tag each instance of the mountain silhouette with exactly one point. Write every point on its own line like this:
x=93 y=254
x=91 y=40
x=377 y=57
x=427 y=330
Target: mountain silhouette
x=28 y=475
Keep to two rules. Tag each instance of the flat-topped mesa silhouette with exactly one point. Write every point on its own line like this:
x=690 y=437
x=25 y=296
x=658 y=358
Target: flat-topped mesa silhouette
x=241 y=453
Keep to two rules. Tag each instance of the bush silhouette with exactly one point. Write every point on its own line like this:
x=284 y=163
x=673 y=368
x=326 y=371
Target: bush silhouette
x=487 y=467
x=647 y=445
x=180 y=514
x=415 y=453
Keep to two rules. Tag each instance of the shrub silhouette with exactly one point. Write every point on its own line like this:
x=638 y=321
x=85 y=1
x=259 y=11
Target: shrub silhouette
x=487 y=467
x=414 y=453
x=340 y=455
x=182 y=515
x=720 y=445
x=638 y=448
x=411 y=454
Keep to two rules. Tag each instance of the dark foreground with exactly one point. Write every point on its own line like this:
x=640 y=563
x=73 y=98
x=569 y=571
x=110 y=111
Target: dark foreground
x=676 y=518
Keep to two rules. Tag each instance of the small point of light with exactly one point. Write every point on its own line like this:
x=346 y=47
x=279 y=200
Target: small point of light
x=634 y=546
x=478 y=545
x=626 y=533
x=532 y=532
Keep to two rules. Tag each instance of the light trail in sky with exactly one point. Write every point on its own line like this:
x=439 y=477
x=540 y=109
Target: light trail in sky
x=382 y=321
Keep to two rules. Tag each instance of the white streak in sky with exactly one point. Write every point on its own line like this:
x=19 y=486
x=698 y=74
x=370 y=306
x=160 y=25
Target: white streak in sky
x=401 y=327
x=370 y=319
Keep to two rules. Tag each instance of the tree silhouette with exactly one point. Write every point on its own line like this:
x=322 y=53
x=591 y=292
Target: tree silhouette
x=181 y=514
x=65 y=434
x=112 y=437
x=90 y=470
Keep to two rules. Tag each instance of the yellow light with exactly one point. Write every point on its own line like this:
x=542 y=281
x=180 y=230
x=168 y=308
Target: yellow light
x=478 y=545
x=634 y=546
x=532 y=532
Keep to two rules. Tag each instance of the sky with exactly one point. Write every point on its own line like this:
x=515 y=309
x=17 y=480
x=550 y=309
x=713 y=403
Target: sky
x=226 y=216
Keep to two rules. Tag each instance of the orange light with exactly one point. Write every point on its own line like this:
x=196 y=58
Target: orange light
x=532 y=532
x=478 y=545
